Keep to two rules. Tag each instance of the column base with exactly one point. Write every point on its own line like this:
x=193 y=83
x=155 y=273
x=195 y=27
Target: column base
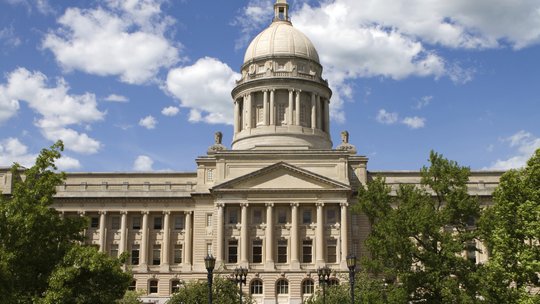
x=269 y=266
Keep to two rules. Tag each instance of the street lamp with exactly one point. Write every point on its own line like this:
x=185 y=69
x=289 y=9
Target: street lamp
x=351 y=264
x=240 y=274
x=210 y=263
x=324 y=278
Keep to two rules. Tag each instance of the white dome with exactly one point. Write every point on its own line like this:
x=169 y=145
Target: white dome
x=281 y=39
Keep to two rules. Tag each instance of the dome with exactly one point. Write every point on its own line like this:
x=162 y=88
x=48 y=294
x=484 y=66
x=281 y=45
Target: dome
x=281 y=39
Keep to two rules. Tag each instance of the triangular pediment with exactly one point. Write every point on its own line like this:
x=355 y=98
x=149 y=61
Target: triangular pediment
x=281 y=176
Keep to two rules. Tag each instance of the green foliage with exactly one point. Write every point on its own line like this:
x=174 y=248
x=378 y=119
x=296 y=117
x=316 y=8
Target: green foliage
x=131 y=297
x=224 y=291
x=418 y=236
x=36 y=243
x=511 y=229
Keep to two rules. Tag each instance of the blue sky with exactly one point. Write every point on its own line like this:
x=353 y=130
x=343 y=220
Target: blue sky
x=142 y=85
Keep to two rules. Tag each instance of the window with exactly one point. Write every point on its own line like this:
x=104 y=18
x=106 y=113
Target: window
x=178 y=254
x=156 y=254
x=331 y=216
x=259 y=114
x=210 y=174
x=331 y=256
x=233 y=215
x=256 y=287
x=136 y=222
x=94 y=222
x=115 y=222
x=158 y=222
x=307 y=246
x=282 y=286
x=153 y=286
x=282 y=251
x=282 y=216
x=179 y=222
x=233 y=251
x=257 y=216
x=114 y=250
x=333 y=282
x=175 y=286
x=471 y=251
x=281 y=110
x=305 y=119
x=308 y=287
x=135 y=255
x=257 y=251
x=306 y=217
x=209 y=220
x=132 y=285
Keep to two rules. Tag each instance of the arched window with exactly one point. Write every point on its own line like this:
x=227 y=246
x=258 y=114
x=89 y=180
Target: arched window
x=256 y=287
x=153 y=286
x=333 y=281
x=282 y=286
x=308 y=287
x=175 y=286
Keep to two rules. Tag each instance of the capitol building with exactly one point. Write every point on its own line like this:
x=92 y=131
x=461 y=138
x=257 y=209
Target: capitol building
x=277 y=201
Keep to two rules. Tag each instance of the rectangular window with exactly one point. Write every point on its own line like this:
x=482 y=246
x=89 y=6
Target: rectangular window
x=135 y=255
x=115 y=222
x=331 y=251
x=136 y=222
x=257 y=216
x=209 y=249
x=331 y=216
x=282 y=216
x=281 y=111
x=179 y=222
x=282 y=251
x=94 y=222
x=233 y=251
x=257 y=251
x=209 y=220
x=210 y=174
x=178 y=254
x=471 y=251
x=306 y=217
x=156 y=254
x=114 y=250
x=260 y=114
x=158 y=222
x=307 y=249
x=233 y=216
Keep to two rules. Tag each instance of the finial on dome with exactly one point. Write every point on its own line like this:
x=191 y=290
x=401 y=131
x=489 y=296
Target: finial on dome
x=281 y=10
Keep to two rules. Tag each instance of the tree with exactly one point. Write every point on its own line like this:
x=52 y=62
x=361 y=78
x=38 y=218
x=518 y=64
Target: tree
x=419 y=235
x=224 y=291
x=131 y=297
x=35 y=241
x=511 y=229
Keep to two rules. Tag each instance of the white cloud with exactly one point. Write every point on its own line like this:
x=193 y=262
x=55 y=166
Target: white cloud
x=387 y=118
x=12 y=150
x=170 y=111
x=205 y=88
x=148 y=122
x=67 y=163
x=414 y=122
x=58 y=109
x=525 y=144
x=8 y=105
x=9 y=38
x=251 y=18
x=126 y=39
x=116 y=98
x=143 y=163
x=423 y=102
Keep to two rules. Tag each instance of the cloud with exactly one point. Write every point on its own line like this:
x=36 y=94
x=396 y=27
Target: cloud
x=9 y=38
x=148 y=122
x=58 y=109
x=525 y=145
x=414 y=122
x=42 y=6
x=125 y=39
x=204 y=88
x=252 y=17
x=387 y=118
x=12 y=150
x=67 y=163
x=423 y=102
x=143 y=163
x=116 y=98
x=170 y=111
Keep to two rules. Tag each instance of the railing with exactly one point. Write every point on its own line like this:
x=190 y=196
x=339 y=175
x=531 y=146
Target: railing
x=125 y=187
x=272 y=74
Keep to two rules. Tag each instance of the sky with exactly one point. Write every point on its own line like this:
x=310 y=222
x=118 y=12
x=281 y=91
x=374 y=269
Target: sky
x=142 y=85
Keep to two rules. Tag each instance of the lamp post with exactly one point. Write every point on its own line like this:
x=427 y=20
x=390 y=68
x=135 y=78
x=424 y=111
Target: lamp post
x=324 y=278
x=210 y=263
x=240 y=274
x=351 y=264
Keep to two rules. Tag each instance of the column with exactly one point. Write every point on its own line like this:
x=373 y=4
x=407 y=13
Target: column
x=269 y=265
x=165 y=251
x=272 y=107
x=237 y=116
x=220 y=233
x=123 y=233
x=319 y=112
x=297 y=106
x=344 y=235
x=144 y=242
x=313 y=111
x=295 y=263
x=265 y=107
x=188 y=240
x=319 y=235
x=244 y=235
x=290 y=113
x=102 y=231
x=327 y=115
x=249 y=110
